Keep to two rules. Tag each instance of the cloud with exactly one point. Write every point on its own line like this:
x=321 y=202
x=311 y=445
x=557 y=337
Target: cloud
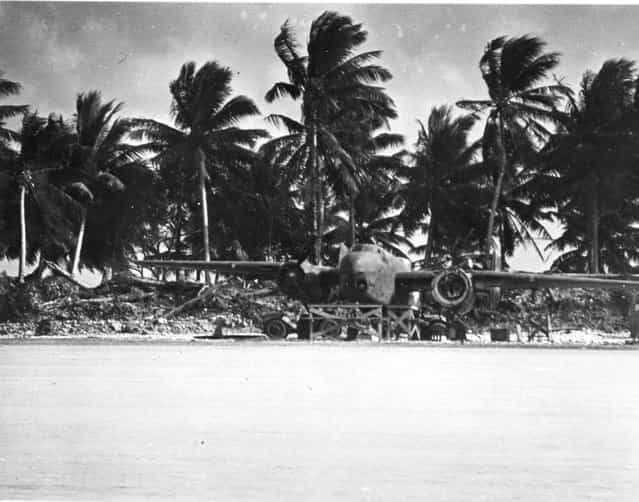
x=244 y=15
x=47 y=49
x=400 y=32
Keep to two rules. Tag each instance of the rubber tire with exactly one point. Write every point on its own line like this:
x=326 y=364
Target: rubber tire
x=276 y=329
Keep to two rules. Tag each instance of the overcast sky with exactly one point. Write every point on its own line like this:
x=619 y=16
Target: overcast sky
x=132 y=51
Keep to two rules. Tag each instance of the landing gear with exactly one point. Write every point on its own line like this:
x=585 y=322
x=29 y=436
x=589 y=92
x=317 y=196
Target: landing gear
x=350 y=322
x=276 y=329
x=277 y=326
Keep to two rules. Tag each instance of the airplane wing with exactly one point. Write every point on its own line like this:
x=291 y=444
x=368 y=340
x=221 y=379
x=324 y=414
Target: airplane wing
x=527 y=280
x=262 y=269
x=309 y=283
x=413 y=281
x=483 y=279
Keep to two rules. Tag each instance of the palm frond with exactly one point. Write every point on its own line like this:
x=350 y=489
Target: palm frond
x=291 y=125
x=474 y=105
x=9 y=111
x=282 y=89
x=232 y=112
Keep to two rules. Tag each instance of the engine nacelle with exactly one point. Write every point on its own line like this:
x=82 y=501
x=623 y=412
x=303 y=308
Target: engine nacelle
x=453 y=289
x=291 y=279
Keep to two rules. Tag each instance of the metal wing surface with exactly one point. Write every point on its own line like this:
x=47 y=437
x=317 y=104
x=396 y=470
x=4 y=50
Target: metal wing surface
x=528 y=280
x=523 y=280
x=415 y=280
x=262 y=269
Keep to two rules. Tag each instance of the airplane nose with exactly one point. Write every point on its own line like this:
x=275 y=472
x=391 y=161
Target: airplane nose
x=357 y=275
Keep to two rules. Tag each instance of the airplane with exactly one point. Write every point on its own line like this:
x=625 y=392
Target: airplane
x=367 y=274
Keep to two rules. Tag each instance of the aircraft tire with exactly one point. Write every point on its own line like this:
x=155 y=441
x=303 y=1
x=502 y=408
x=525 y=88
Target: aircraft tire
x=276 y=329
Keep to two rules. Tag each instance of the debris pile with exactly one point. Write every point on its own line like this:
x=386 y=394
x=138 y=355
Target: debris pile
x=57 y=305
x=128 y=305
x=569 y=309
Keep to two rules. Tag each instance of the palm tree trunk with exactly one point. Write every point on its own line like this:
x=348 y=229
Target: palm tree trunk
x=322 y=212
x=430 y=242
x=351 y=220
x=316 y=197
x=23 y=233
x=501 y=258
x=270 y=233
x=501 y=163
x=78 y=246
x=594 y=233
x=201 y=166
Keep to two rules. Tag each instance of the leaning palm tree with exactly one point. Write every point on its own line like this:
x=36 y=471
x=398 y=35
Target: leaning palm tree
x=99 y=150
x=206 y=136
x=519 y=109
x=331 y=82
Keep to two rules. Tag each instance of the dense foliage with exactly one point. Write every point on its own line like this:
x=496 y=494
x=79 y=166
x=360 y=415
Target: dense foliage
x=99 y=189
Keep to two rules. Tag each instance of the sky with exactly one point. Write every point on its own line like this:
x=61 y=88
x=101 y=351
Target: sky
x=131 y=51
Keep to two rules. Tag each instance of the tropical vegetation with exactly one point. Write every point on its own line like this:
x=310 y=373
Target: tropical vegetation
x=99 y=189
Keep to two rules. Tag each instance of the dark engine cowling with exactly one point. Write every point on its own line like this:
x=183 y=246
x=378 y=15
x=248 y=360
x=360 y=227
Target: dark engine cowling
x=453 y=289
x=291 y=279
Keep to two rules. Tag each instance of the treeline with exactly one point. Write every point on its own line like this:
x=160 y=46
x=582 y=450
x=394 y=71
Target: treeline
x=94 y=189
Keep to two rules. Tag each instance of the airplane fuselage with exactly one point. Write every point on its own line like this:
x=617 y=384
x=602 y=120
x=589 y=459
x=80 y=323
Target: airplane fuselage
x=367 y=275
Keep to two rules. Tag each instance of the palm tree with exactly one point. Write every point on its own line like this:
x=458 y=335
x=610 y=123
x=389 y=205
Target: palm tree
x=44 y=145
x=272 y=219
x=522 y=217
x=7 y=138
x=443 y=180
x=518 y=108
x=364 y=144
x=378 y=206
x=207 y=136
x=618 y=240
x=99 y=150
x=331 y=83
x=591 y=158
